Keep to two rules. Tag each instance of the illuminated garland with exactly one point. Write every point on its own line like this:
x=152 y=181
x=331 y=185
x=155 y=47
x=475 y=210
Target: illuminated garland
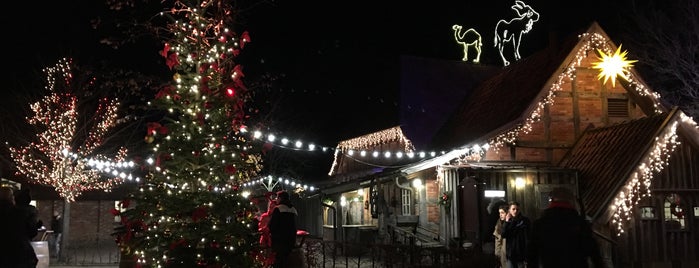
x=53 y=160
x=269 y=183
x=394 y=134
x=591 y=41
x=640 y=183
x=642 y=178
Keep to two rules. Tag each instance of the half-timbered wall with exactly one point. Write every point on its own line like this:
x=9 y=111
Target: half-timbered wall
x=582 y=102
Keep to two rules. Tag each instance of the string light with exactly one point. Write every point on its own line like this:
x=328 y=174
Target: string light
x=589 y=42
x=640 y=182
x=642 y=178
x=53 y=159
x=269 y=183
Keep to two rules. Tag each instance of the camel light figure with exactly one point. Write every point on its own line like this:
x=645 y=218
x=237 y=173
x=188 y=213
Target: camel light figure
x=469 y=38
x=512 y=30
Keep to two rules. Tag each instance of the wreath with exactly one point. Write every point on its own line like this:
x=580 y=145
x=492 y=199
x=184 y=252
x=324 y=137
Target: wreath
x=445 y=201
x=675 y=211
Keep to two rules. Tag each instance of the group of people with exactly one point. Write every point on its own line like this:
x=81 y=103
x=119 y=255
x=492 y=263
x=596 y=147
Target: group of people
x=20 y=224
x=561 y=237
x=277 y=227
x=18 y=227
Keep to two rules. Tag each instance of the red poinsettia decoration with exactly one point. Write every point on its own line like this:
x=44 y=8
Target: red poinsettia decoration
x=199 y=213
x=230 y=169
x=170 y=57
x=445 y=201
x=178 y=243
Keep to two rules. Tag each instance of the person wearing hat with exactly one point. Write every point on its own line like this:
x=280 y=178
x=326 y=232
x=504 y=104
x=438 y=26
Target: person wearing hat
x=561 y=237
x=282 y=229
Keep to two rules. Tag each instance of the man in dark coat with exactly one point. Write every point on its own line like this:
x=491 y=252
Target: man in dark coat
x=282 y=229
x=30 y=214
x=515 y=231
x=15 y=249
x=561 y=237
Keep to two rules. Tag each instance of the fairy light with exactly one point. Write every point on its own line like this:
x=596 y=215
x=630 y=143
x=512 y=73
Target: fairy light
x=641 y=180
x=394 y=134
x=59 y=158
x=589 y=42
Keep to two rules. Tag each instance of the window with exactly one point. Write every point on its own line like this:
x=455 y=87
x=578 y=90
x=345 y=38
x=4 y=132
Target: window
x=118 y=207
x=405 y=202
x=673 y=212
x=647 y=213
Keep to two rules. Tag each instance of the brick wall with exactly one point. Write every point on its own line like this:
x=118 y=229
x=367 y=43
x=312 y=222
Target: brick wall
x=90 y=221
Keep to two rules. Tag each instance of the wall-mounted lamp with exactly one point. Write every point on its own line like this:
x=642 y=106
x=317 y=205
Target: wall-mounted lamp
x=417 y=183
x=519 y=182
x=343 y=201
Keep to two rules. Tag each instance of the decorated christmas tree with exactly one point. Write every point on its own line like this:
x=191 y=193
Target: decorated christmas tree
x=190 y=211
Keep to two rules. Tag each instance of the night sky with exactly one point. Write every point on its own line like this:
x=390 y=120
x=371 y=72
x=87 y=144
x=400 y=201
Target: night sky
x=335 y=62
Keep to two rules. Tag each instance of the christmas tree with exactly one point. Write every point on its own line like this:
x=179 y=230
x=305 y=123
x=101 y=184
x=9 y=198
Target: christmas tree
x=62 y=156
x=189 y=211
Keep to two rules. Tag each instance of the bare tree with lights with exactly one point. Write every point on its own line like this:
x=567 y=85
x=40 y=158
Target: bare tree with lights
x=62 y=156
x=663 y=36
x=190 y=210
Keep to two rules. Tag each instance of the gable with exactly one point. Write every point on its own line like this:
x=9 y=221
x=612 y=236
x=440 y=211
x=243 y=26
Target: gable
x=502 y=99
x=355 y=155
x=620 y=165
x=605 y=157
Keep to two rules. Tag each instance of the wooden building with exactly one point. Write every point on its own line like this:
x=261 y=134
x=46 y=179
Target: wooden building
x=544 y=121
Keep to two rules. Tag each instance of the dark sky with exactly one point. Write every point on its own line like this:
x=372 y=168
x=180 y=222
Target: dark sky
x=336 y=62
x=345 y=55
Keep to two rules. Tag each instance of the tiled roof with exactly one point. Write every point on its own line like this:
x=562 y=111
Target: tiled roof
x=503 y=99
x=606 y=156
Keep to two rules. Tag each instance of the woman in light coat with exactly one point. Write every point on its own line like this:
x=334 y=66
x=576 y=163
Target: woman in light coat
x=500 y=251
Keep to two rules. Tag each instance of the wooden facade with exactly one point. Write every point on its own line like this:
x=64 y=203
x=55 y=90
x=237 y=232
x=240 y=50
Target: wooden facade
x=549 y=122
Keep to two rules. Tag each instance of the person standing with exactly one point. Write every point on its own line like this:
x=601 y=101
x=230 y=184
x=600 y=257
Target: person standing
x=57 y=235
x=515 y=231
x=263 y=229
x=16 y=250
x=30 y=214
x=282 y=229
x=561 y=237
x=500 y=248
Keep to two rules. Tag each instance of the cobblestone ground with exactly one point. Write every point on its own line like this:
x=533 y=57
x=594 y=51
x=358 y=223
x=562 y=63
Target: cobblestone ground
x=312 y=254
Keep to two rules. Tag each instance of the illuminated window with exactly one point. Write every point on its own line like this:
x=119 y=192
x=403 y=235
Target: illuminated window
x=647 y=213
x=673 y=212
x=405 y=202
x=117 y=218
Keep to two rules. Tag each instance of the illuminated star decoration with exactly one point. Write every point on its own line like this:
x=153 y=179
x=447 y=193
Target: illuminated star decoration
x=613 y=65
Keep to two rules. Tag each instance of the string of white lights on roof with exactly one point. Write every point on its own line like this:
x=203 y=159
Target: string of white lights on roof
x=299 y=145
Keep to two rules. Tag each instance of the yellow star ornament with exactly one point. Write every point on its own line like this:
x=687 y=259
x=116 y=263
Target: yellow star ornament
x=613 y=65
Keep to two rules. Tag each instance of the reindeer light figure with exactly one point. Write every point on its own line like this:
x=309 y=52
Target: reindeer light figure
x=469 y=38
x=512 y=30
